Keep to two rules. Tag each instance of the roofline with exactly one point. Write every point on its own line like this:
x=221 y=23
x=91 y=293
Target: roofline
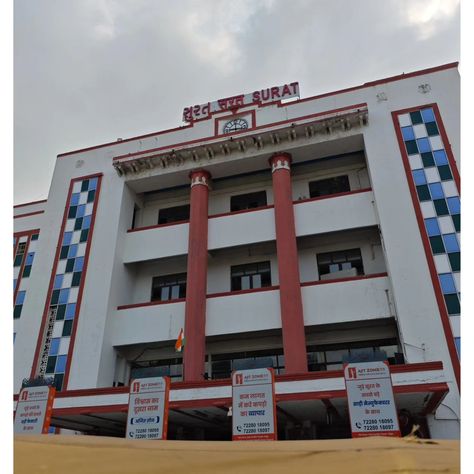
x=340 y=91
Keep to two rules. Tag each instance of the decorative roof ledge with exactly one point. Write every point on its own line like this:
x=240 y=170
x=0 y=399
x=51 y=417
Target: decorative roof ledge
x=287 y=132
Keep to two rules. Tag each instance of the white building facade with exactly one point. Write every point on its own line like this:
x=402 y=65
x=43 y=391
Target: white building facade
x=295 y=235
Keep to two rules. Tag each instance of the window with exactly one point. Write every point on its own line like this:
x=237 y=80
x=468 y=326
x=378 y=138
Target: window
x=223 y=364
x=332 y=262
x=248 y=201
x=323 y=187
x=332 y=357
x=173 y=368
x=251 y=275
x=173 y=214
x=168 y=287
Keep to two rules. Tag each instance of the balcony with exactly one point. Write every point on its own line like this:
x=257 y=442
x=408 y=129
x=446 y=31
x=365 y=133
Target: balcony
x=312 y=216
x=329 y=301
x=335 y=212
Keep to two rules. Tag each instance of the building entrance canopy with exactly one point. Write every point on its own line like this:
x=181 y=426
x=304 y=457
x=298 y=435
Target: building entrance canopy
x=313 y=398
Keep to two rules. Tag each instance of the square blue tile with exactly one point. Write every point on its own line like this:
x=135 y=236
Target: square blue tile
x=424 y=145
x=454 y=205
x=58 y=281
x=451 y=243
x=436 y=190
x=432 y=226
x=440 y=157
x=81 y=210
x=457 y=342
x=63 y=296
x=408 y=133
x=75 y=199
x=419 y=177
x=86 y=222
x=20 y=297
x=53 y=350
x=428 y=115
x=70 y=311
x=92 y=184
x=447 y=283
x=61 y=364
x=79 y=264
x=67 y=238
x=72 y=251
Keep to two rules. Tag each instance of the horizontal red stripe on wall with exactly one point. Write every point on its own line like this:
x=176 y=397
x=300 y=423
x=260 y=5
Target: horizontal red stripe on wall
x=29 y=214
x=256 y=290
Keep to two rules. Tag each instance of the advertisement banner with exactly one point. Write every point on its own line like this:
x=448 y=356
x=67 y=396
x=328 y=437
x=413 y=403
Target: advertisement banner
x=148 y=408
x=253 y=405
x=372 y=407
x=33 y=410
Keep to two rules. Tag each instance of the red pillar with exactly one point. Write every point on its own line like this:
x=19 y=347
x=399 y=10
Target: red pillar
x=196 y=285
x=291 y=306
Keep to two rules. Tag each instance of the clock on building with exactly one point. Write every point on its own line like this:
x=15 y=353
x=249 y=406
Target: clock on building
x=235 y=125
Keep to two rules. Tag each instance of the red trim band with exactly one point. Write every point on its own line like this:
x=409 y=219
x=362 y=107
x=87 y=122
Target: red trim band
x=157 y=226
x=29 y=214
x=341 y=280
x=255 y=290
x=335 y=195
x=29 y=203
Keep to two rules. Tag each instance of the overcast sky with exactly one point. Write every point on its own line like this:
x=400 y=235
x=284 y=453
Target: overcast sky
x=89 y=71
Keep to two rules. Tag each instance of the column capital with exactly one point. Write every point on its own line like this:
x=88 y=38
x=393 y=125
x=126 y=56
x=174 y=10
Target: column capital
x=280 y=161
x=200 y=177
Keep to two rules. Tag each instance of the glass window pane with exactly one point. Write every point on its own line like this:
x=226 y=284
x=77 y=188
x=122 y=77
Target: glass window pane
x=336 y=355
x=245 y=283
x=165 y=293
x=174 y=292
x=256 y=281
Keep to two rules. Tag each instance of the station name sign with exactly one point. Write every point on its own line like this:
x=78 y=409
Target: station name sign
x=262 y=96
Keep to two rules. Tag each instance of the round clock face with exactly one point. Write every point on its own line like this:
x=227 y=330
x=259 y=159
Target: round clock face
x=235 y=125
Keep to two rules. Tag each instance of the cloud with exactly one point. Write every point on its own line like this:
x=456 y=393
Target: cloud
x=88 y=72
x=428 y=15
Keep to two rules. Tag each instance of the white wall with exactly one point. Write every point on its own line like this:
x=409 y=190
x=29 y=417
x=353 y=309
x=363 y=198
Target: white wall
x=108 y=281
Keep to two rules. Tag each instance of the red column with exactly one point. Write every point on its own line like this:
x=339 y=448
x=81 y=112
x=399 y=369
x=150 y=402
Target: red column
x=291 y=306
x=196 y=285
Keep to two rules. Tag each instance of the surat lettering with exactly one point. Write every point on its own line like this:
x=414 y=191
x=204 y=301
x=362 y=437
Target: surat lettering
x=271 y=94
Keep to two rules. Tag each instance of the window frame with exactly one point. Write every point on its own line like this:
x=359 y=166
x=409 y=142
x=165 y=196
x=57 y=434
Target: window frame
x=247 y=204
x=168 y=281
x=334 y=189
x=336 y=253
x=181 y=217
x=246 y=270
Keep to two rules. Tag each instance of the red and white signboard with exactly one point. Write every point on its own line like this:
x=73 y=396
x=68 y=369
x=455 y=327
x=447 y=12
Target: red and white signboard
x=370 y=397
x=263 y=96
x=253 y=405
x=33 y=410
x=148 y=408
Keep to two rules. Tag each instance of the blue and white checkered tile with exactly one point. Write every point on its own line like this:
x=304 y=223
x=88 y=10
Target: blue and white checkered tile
x=438 y=197
x=69 y=274
x=24 y=256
